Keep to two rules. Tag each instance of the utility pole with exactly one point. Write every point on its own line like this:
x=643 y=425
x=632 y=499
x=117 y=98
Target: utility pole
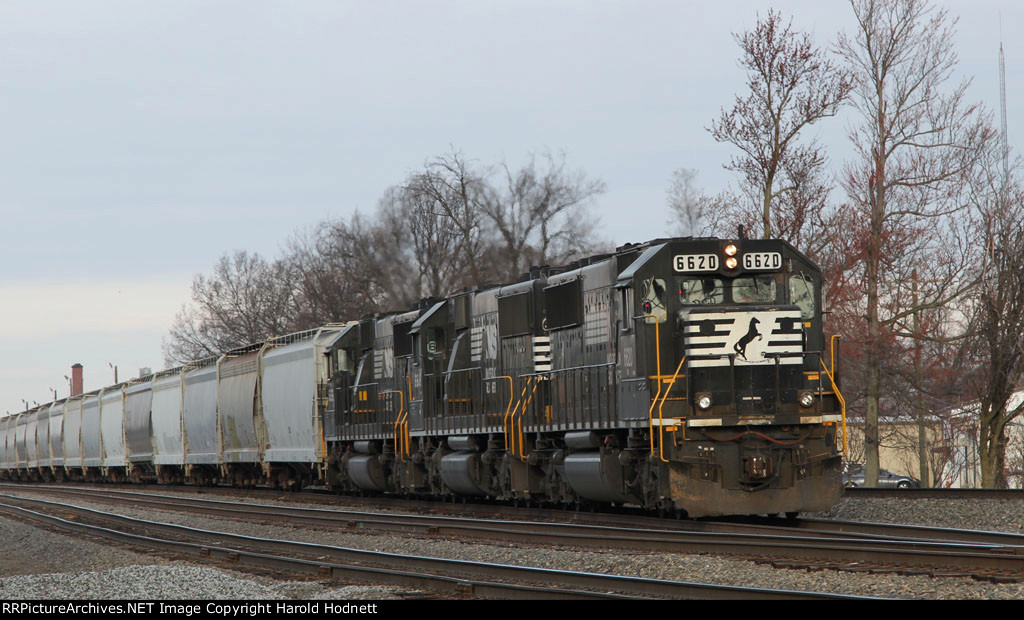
x=922 y=429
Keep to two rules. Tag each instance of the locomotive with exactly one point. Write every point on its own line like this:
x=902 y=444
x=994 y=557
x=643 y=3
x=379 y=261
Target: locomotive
x=686 y=375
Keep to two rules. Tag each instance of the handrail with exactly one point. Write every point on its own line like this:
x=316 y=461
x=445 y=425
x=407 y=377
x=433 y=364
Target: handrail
x=522 y=436
x=401 y=409
x=405 y=420
x=511 y=422
x=835 y=388
x=511 y=397
x=657 y=357
x=832 y=350
x=661 y=419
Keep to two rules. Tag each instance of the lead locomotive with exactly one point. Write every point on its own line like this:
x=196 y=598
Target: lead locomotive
x=690 y=375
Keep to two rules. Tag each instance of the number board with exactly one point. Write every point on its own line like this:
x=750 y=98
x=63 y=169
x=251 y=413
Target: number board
x=689 y=263
x=764 y=261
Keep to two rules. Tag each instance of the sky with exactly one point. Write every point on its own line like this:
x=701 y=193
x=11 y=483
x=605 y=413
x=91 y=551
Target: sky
x=140 y=141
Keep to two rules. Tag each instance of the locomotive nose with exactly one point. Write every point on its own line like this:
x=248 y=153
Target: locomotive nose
x=720 y=337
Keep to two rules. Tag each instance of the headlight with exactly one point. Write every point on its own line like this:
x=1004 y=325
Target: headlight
x=730 y=250
x=704 y=401
x=806 y=399
x=731 y=262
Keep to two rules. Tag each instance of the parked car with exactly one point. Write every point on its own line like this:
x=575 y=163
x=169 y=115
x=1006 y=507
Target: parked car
x=853 y=476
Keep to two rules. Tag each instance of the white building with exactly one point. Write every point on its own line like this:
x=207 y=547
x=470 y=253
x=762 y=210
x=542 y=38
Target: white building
x=963 y=468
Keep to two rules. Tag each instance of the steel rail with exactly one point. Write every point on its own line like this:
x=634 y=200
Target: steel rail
x=487 y=580
x=934 y=493
x=1002 y=555
x=865 y=529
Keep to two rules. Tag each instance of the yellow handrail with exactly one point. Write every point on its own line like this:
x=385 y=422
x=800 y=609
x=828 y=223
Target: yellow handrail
x=511 y=397
x=835 y=388
x=510 y=425
x=661 y=419
x=832 y=349
x=398 y=419
x=405 y=420
x=657 y=357
x=522 y=436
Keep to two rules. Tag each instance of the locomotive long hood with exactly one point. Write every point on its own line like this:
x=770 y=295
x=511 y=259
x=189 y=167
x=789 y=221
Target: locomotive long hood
x=750 y=337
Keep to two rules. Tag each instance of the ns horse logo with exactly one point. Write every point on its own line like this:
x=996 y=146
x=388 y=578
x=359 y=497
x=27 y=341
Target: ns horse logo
x=741 y=345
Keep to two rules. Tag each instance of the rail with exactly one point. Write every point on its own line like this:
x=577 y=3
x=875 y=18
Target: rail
x=579 y=397
x=510 y=417
x=657 y=357
x=467 y=401
x=835 y=388
x=525 y=397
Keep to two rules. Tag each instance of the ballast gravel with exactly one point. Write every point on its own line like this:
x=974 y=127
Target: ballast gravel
x=42 y=564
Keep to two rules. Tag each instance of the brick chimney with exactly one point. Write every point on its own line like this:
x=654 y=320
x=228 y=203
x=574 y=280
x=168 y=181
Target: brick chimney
x=76 y=380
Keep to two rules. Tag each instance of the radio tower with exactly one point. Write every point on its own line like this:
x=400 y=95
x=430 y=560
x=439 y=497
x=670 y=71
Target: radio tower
x=1002 y=107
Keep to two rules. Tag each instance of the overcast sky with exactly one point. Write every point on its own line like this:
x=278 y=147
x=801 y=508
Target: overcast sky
x=139 y=141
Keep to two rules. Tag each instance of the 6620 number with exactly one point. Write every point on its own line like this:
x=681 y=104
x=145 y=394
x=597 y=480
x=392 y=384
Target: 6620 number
x=686 y=263
x=754 y=261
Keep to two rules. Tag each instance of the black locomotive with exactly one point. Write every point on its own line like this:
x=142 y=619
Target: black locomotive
x=684 y=374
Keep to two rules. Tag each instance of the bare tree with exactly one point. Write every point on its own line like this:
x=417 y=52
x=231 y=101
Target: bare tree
x=924 y=379
x=684 y=202
x=420 y=254
x=405 y=252
x=804 y=217
x=327 y=265
x=538 y=215
x=244 y=301
x=444 y=228
x=791 y=85
x=435 y=246
x=994 y=352
x=450 y=189
x=915 y=144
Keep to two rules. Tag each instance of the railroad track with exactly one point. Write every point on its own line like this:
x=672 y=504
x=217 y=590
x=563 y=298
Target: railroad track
x=801 y=543
x=452 y=577
x=935 y=493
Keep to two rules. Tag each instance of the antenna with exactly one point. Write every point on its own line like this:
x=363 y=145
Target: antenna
x=1002 y=105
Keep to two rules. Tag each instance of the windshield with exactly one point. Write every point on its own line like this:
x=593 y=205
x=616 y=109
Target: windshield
x=754 y=289
x=801 y=293
x=701 y=291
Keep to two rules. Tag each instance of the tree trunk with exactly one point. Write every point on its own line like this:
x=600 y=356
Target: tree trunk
x=988 y=455
x=919 y=408
x=992 y=448
x=872 y=387
x=766 y=214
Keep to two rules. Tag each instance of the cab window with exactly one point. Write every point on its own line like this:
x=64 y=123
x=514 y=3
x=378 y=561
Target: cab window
x=343 y=361
x=653 y=301
x=801 y=293
x=754 y=289
x=698 y=291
